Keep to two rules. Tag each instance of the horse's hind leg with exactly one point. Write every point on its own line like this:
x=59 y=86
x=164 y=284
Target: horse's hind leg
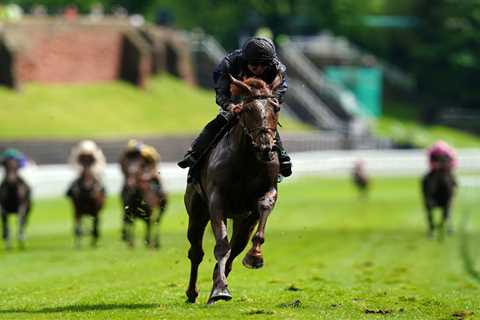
x=5 y=230
x=197 y=221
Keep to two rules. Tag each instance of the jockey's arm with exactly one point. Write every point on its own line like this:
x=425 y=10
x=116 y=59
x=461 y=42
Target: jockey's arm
x=221 y=80
x=282 y=88
x=222 y=90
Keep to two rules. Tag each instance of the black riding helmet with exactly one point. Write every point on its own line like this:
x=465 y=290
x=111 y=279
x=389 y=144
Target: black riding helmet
x=258 y=50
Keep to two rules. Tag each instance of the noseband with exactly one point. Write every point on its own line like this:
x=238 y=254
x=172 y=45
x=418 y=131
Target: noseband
x=252 y=133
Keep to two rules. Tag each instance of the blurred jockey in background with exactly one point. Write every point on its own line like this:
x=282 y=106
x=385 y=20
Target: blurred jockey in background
x=442 y=156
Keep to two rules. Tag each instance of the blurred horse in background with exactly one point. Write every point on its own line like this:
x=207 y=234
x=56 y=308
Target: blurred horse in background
x=87 y=191
x=360 y=178
x=439 y=184
x=236 y=180
x=143 y=196
x=15 y=195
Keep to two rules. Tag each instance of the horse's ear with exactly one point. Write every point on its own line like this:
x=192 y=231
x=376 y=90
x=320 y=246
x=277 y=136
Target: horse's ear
x=276 y=82
x=238 y=88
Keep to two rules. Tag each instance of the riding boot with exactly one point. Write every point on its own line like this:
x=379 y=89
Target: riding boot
x=207 y=135
x=283 y=158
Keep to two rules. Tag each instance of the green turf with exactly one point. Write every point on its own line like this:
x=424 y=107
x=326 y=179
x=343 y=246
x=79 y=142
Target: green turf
x=167 y=106
x=400 y=123
x=329 y=255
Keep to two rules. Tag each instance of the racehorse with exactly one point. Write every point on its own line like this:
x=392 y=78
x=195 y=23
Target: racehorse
x=143 y=196
x=238 y=180
x=360 y=178
x=15 y=197
x=438 y=186
x=87 y=192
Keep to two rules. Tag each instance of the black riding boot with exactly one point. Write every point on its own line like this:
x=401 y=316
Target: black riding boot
x=207 y=135
x=283 y=158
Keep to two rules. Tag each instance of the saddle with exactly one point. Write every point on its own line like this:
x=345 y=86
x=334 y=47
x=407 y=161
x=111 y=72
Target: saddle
x=194 y=171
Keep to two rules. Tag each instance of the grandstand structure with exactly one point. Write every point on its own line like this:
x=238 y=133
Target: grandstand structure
x=55 y=50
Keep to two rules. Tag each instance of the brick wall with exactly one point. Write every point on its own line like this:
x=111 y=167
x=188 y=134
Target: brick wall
x=52 y=50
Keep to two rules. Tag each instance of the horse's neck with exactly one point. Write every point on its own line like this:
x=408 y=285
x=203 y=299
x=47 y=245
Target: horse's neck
x=239 y=143
x=87 y=177
x=12 y=176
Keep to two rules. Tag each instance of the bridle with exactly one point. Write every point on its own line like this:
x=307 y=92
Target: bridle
x=252 y=133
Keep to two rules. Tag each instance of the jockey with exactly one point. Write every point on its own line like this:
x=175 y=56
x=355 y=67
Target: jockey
x=257 y=58
x=148 y=157
x=87 y=154
x=151 y=157
x=442 y=156
x=131 y=153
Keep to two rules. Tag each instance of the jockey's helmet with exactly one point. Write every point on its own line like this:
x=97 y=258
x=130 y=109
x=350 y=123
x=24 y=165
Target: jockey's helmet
x=13 y=154
x=258 y=50
x=149 y=153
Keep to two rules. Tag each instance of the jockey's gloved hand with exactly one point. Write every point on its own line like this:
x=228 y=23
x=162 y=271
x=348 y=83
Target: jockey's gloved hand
x=230 y=111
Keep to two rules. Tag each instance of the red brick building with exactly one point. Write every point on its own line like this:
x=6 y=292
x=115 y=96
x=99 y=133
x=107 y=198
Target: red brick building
x=53 y=50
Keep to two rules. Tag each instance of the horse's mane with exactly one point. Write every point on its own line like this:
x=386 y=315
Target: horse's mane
x=260 y=87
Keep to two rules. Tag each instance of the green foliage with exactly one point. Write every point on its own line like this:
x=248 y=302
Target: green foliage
x=328 y=255
x=167 y=106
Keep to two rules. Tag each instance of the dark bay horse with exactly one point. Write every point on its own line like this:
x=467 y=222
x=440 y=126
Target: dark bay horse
x=237 y=180
x=88 y=197
x=360 y=178
x=143 y=197
x=438 y=188
x=15 y=197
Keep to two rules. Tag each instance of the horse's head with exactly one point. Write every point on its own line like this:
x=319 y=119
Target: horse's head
x=11 y=169
x=258 y=113
x=440 y=162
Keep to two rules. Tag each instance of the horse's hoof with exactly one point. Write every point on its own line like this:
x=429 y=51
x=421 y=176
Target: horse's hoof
x=253 y=262
x=191 y=295
x=219 y=294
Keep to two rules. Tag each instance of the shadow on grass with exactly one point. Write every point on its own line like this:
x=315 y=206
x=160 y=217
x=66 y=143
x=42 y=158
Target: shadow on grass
x=467 y=259
x=84 y=308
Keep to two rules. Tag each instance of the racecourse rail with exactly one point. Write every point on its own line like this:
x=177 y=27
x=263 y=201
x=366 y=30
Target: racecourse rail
x=49 y=181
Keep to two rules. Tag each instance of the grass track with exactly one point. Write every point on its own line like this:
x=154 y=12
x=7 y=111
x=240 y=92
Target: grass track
x=340 y=257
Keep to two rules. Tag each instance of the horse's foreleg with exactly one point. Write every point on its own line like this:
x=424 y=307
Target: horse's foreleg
x=148 y=230
x=95 y=232
x=265 y=205
x=429 y=214
x=22 y=221
x=196 y=229
x=127 y=229
x=221 y=251
x=5 y=229
x=77 y=228
x=242 y=230
x=446 y=219
x=156 y=229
